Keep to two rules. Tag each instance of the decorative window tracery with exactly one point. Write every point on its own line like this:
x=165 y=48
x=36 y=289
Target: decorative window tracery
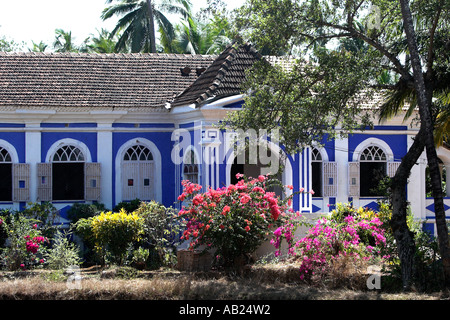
x=68 y=153
x=138 y=153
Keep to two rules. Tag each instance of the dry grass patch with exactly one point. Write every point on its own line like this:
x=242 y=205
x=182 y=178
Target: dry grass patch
x=264 y=282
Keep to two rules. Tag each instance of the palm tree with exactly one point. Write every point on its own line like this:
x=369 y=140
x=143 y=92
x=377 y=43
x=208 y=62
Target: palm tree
x=63 y=41
x=38 y=47
x=136 y=23
x=103 y=43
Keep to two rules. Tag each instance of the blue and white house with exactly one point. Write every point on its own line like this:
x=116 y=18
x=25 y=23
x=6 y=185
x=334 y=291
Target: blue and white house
x=115 y=127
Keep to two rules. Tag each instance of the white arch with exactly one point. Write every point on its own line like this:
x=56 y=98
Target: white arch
x=444 y=154
x=373 y=142
x=321 y=150
x=65 y=142
x=196 y=161
x=11 y=150
x=157 y=166
x=286 y=177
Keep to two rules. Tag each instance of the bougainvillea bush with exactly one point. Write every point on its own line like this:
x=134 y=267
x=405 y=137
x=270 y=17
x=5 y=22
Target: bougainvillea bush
x=233 y=220
x=350 y=234
x=25 y=246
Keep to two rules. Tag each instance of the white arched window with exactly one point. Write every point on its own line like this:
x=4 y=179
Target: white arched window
x=373 y=160
x=5 y=175
x=137 y=173
x=317 y=168
x=68 y=174
x=373 y=167
x=190 y=167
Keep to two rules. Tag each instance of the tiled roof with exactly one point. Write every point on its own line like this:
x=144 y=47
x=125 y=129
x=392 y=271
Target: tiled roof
x=96 y=80
x=223 y=78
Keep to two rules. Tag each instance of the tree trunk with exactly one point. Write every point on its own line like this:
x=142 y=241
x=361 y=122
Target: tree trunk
x=403 y=236
x=151 y=27
x=424 y=96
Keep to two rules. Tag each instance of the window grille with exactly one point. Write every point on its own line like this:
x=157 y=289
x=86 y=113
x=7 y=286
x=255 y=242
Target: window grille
x=5 y=157
x=373 y=154
x=138 y=153
x=68 y=154
x=190 y=169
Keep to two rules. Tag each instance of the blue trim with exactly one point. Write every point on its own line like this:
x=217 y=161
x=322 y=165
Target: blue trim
x=142 y=125
x=124 y=125
x=69 y=125
x=12 y=125
x=397 y=128
x=332 y=204
x=157 y=125
x=187 y=125
x=234 y=105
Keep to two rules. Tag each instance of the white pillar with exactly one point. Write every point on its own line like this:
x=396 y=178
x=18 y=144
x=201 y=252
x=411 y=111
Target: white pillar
x=341 y=158
x=416 y=185
x=33 y=154
x=104 y=156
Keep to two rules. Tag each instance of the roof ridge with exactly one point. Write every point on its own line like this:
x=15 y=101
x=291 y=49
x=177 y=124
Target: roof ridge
x=229 y=56
x=96 y=54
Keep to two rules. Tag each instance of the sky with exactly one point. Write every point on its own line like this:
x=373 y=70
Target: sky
x=36 y=20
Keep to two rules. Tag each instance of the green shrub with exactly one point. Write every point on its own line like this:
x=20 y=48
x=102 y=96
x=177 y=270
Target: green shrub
x=128 y=206
x=114 y=232
x=46 y=214
x=162 y=228
x=63 y=252
x=83 y=210
x=25 y=246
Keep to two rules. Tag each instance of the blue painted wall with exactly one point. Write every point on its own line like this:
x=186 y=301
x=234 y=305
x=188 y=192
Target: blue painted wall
x=163 y=142
x=398 y=143
x=17 y=139
x=88 y=138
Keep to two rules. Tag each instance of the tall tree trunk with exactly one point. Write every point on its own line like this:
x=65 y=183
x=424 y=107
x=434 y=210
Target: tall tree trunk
x=151 y=27
x=424 y=96
x=403 y=236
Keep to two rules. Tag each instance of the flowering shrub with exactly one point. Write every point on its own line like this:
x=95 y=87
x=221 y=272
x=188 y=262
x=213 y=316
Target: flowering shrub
x=115 y=231
x=234 y=220
x=343 y=234
x=162 y=227
x=25 y=247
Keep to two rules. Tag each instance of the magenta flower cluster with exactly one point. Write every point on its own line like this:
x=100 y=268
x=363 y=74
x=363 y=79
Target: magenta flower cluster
x=329 y=240
x=32 y=244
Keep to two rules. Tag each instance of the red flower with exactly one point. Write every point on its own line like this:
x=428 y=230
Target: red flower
x=247 y=228
x=198 y=199
x=225 y=210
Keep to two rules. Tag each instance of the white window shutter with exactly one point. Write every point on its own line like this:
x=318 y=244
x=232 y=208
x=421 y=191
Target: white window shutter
x=353 y=179
x=130 y=180
x=92 y=174
x=21 y=181
x=330 y=179
x=146 y=174
x=44 y=183
x=392 y=168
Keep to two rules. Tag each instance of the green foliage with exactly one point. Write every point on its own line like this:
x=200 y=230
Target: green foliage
x=7 y=45
x=112 y=232
x=134 y=22
x=63 y=253
x=234 y=221
x=128 y=206
x=45 y=214
x=25 y=245
x=162 y=228
x=83 y=210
